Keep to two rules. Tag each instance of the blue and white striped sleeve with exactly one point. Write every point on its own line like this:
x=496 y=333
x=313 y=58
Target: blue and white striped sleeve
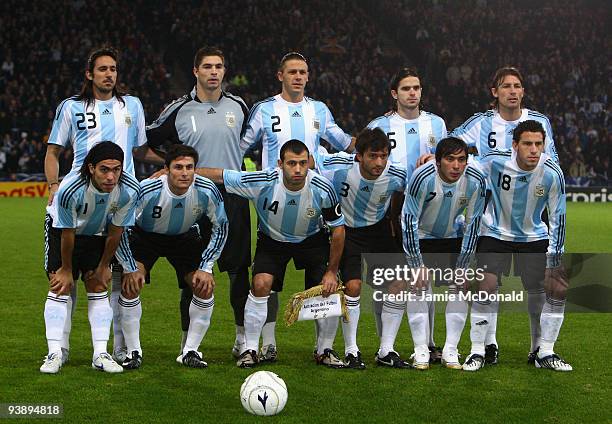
x=141 y=133
x=124 y=254
x=556 y=215
x=220 y=227
x=334 y=134
x=62 y=125
x=473 y=217
x=469 y=131
x=549 y=145
x=410 y=229
x=248 y=184
x=126 y=214
x=411 y=213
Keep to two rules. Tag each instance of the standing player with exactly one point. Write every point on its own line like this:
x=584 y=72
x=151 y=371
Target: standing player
x=291 y=204
x=413 y=133
x=99 y=200
x=212 y=121
x=276 y=120
x=365 y=184
x=493 y=130
x=101 y=111
x=523 y=182
x=291 y=115
x=437 y=194
x=167 y=208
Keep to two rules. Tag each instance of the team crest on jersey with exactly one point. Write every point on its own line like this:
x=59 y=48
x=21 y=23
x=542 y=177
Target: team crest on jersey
x=230 y=119
x=114 y=207
x=432 y=141
x=128 y=119
x=463 y=201
x=197 y=210
x=316 y=124
x=539 y=190
x=310 y=213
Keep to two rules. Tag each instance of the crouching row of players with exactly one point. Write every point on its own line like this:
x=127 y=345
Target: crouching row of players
x=292 y=205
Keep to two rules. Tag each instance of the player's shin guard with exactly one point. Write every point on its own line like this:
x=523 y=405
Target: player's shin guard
x=255 y=312
x=391 y=317
x=56 y=313
x=349 y=329
x=480 y=319
x=535 y=302
x=100 y=316
x=131 y=312
x=184 y=305
x=118 y=339
x=491 y=337
x=377 y=308
x=551 y=321
x=239 y=291
x=418 y=320
x=268 y=332
x=200 y=312
x=431 y=309
x=326 y=333
x=68 y=322
x=456 y=315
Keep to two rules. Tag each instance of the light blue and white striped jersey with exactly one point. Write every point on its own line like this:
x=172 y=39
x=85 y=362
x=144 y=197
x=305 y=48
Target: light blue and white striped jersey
x=163 y=212
x=410 y=138
x=431 y=207
x=364 y=202
x=80 y=205
x=489 y=131
x=110 y=120
x=285 y=215
x=274 y=121
x=518 y=198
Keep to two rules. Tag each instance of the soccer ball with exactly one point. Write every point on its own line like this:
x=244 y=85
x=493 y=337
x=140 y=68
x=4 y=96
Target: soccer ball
x=263 y=393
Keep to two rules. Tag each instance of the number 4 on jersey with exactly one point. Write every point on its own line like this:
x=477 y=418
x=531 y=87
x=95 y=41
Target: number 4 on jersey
x=273 y=206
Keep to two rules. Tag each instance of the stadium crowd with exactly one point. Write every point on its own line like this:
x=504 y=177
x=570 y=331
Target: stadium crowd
x=557 y=46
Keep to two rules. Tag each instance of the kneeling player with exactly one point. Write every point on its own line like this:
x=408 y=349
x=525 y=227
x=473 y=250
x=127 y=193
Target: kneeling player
x=291 y=202
x=166 y=211
x=100 y=199
x=437 y=194
x=523 y=182
x=365 y=183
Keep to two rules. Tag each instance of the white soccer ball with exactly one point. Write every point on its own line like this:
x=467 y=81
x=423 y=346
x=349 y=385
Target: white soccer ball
x=263 y=393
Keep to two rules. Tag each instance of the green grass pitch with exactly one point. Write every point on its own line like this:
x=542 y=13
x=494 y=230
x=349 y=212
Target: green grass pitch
x=162 y=391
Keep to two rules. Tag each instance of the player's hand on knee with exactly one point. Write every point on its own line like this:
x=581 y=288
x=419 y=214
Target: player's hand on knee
x=132 y=283
x=556 y=282
x=330 y=283
x=98 y=280
x=420 y=281
x=61 y=281
x=203 y=284
x=424 y=159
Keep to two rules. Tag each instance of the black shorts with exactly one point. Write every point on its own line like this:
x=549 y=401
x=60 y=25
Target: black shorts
x=272 y=257
x=237 y=251
x=529 y=259
x=440 y=253
x=183 y=251
x=375 y=238
x=86 y=255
